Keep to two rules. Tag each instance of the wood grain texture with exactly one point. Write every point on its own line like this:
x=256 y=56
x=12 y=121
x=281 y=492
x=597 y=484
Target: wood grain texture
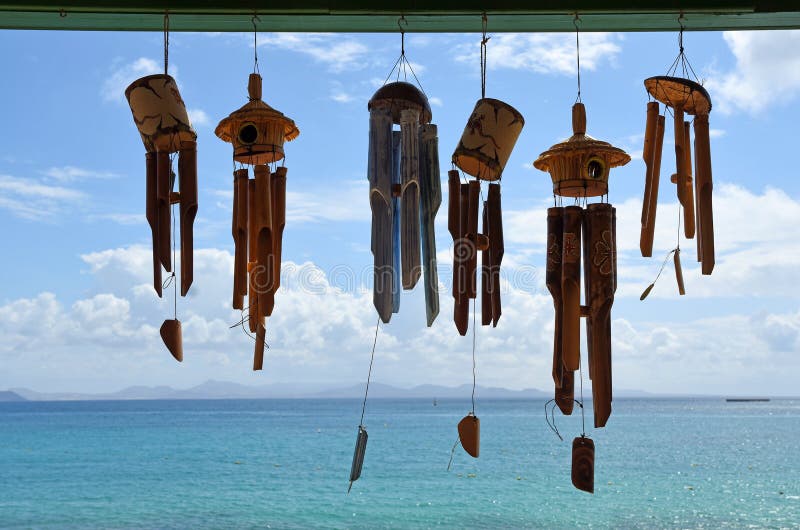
x=704 y=196
x=555 y=237
x=649 y=225
x=571 y=286
x=688 y=193
x=583 y=464
x=164 y=187
x=258 y=352
x=252 y=257
x=151 y=210
x=380 y=170
x=496 y=249
x=239 y=230
x=264 y=271
x=278 y=197
x=647 y=156
x=409 y=202
x=187 y=182
x=430 y=201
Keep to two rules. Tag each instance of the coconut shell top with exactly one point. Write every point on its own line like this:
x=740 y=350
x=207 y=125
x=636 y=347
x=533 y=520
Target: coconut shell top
x=677 y=91
x=399 y=96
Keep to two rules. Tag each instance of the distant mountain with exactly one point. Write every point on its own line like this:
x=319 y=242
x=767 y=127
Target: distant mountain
x=226 y=390
x=213 y=389
x=8 y=395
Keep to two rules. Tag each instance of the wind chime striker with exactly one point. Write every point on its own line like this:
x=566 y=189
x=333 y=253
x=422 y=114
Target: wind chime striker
x=162 y=120
x=405 y=192
x=579 y=168
x=681 y=97
x=257 y=132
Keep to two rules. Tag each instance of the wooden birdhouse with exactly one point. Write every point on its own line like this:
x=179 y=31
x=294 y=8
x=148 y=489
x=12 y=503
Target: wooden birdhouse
x=257 y=131
x=580 y=166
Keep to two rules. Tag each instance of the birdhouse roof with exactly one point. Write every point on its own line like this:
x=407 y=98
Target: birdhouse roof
x=256 y=111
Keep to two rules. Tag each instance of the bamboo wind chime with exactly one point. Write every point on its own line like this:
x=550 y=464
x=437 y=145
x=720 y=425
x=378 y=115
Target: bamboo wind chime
x=164 y=126
x=681 y=96
x=404 y=195
x=404 y=192
x=257 y=132
x=579 y=168
x=482 y=152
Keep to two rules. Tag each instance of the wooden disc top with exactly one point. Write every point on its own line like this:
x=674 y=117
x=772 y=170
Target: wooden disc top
x=679 y=92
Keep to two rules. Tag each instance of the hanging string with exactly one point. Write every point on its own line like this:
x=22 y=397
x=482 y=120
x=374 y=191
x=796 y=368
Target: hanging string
x=369 y=374
x=583 y=412
x=255 y=43
x=578 y=53
x=551 y=419
x=474 y=332
x=166 y=42
x=402 y=64
x=484 y=40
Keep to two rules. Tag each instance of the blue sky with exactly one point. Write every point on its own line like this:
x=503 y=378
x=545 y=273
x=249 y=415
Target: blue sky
x=77 y=311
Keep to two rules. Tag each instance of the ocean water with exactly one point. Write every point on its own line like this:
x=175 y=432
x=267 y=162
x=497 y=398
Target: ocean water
x=659 y=463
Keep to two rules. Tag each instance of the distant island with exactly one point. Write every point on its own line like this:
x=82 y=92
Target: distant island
x=8 y=395
x=227 y=390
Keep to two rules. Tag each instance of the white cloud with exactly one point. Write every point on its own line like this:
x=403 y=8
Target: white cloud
x=767 y=71
x=198 y=117
x=72 y=174
x=35 y=200
x=436 y=102
x=341 y=97
x=545 y=53
x=338 y=53
x=125 y=219
x=321 y=333
x=114 y=86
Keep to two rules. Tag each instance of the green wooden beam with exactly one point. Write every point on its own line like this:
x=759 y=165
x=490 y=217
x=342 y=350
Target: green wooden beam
x=381 y=16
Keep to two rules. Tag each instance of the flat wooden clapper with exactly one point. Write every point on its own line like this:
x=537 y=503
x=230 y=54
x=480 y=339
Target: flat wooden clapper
x=358 y=456
x=469 y=434
x=583 y=464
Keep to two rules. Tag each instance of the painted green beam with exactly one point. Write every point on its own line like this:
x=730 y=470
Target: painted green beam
x=381 y=16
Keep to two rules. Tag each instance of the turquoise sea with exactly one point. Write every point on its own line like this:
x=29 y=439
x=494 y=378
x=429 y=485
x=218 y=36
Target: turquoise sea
x=660 y=463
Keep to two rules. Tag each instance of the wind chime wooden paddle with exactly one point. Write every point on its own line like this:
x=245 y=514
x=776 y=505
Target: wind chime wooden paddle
x=257 y=132
x=164 y=126
x=579 y=168
x=404 y=191
x=680 y=96
x=482 y=152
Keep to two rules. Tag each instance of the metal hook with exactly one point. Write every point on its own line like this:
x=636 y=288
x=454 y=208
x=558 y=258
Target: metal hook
x=400 y=21
x=255 y=19
x=575 y=20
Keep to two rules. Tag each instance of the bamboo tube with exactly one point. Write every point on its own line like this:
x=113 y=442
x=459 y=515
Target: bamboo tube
x=278 y=197
x=649 y=225
x=453 y=194
x=571 y=287
x=699 y=231
x=396 y=241
x=409 y=172
x=430 y=200
x=164 y=187
x=587 y=248
x=252 y=238
x=486 y=265
x=680 y=157
x=151 y=210
x=688 y=192
x=239 y=237
x=258 y=353
x=647 y=155
x=470 y=237
x=565 y=393
x=497 y=249
x=600 y=298
x=705 y=186
x=461 y=252
x=263 y=204
x=676 y=259
x=380 y=170
x=555 y=236
x=187 y=173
